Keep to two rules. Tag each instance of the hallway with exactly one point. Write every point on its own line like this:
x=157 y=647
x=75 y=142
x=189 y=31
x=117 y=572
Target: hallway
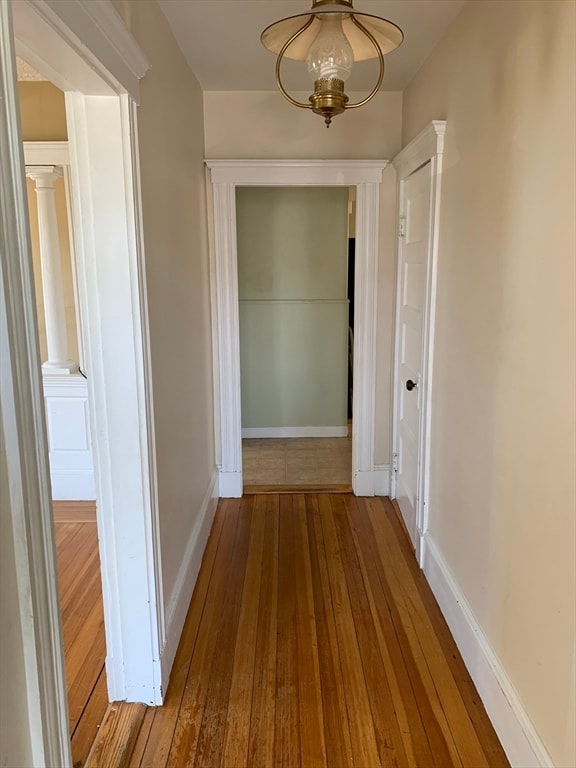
x=312 y=639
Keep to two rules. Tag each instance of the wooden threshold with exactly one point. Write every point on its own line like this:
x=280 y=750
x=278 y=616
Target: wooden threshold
x=254 y=490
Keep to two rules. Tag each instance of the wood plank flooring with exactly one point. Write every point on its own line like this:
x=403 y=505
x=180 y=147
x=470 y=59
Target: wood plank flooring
x=313 y=639
x=82 y=622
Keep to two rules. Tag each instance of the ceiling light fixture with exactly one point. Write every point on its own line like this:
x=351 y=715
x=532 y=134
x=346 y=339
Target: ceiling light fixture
x=330 y=37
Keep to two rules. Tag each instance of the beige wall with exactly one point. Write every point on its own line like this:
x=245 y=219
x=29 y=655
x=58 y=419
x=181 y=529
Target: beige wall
x=43 y=117
x=262 y=125
x=42 y=112
x=171 y=137
x=502 y=499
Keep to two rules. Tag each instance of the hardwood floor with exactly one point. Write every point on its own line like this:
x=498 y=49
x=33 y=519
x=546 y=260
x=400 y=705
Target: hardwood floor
x=82 y=622
x=312 y=639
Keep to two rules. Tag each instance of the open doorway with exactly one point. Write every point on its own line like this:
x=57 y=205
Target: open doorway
x=225 y=176
x=294 y=337
x=65 y=390
x=101 y=116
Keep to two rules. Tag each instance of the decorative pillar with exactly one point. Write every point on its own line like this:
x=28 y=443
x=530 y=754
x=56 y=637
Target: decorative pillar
x=52 y=285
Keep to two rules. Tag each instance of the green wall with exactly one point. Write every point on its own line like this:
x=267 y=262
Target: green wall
x=292 y=284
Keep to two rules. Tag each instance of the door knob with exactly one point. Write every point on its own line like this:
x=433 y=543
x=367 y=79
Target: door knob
x=410 y=385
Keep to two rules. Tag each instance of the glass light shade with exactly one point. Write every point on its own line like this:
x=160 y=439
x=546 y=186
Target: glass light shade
x=330 y=55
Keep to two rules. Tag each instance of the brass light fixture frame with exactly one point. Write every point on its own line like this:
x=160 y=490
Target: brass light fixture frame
x=329 y=98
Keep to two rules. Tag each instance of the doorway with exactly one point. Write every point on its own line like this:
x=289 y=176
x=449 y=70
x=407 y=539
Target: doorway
x=419 y=167
x=225 y=176
x=65 y=389
x=102 y=136
x=293 y=311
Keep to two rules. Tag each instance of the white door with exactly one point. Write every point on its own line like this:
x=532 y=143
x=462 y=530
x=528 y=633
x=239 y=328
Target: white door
x=412 y=282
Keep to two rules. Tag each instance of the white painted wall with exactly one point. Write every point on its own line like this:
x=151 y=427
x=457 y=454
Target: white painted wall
x=261 y=124
x=292 y=288
x=502 y=495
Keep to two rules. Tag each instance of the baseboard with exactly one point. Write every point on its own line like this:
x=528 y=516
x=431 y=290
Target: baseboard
x=516 y=732
x=230 y=485
x=179 y=602
x=252 y=432
x=363 y=483
x=382 y=480
x=73 y=484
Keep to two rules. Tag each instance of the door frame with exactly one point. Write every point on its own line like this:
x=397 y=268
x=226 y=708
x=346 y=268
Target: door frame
x=226 y=175
x=87 y=51
x=81 y=47
x=428 y=146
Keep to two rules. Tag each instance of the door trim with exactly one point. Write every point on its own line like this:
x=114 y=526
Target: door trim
x=226 y=175
x=428 y=146
x=23 y=434
x=86 y=49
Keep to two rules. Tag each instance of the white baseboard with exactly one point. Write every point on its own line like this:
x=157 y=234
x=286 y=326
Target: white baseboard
x=72 y=484
x=363 y=483
x=251 y=432
x=230 y=485
x=516 y=732
x=179 y=601
x=382 y=480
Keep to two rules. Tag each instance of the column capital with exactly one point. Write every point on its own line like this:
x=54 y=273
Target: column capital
x=44 y=175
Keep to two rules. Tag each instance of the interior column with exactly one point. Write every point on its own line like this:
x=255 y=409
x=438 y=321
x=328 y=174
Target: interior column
x=58 y=361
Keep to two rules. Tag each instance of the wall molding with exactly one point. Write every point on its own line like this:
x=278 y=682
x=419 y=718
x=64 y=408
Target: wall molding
x=72 y=484
x=294 y=301
x=179 y=601
x=255 y=432
x=69 y=438
x=46 y=153
x=429 y=142
x=83 y=46
x=366 y=176
x=516 y=732
x=382 y=480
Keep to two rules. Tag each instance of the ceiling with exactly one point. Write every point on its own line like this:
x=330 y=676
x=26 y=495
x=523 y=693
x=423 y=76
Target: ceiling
x=221 y=40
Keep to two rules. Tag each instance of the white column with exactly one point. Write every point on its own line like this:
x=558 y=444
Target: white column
x=52 y=285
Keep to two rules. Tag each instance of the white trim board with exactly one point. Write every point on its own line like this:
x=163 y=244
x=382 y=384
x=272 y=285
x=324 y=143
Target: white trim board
x=44 y=725
x=518 y=736
x=254 y=432
x=102 y=137
x=225 y=175
x=72 y=484
x=179 y=601
x=428 y=146
x=382 y=480
x=81 y=46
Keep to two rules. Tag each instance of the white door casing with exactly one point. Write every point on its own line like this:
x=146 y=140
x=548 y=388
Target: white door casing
x=87 y=51
x=412 y=267
x=411 y=417
x=366 y=176
x=23 y=436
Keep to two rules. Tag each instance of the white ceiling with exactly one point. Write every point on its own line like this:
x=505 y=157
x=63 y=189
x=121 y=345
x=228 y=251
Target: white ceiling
x=221 y=40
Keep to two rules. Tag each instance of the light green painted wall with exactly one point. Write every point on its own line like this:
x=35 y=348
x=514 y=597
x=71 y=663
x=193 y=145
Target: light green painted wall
x=292 y=286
